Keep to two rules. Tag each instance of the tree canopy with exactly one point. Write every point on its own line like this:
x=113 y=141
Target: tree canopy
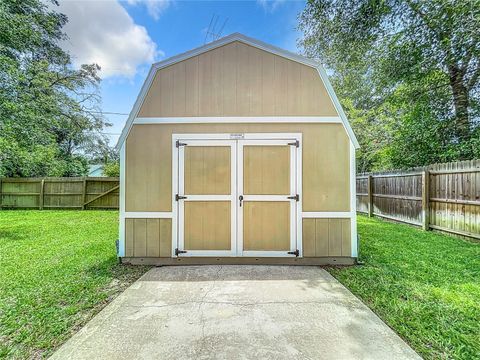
x=407 y=73
x=50 y=117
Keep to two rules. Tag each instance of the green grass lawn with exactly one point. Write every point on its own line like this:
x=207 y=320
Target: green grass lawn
x=425 y=285
x=57 y=270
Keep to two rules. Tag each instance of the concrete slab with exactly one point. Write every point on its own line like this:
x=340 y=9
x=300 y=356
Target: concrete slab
x=236 y=312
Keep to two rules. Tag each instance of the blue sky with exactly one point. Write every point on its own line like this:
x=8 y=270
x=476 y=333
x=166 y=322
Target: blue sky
x=106 y=34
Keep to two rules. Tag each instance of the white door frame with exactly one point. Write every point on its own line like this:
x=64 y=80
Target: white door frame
x=231 y=138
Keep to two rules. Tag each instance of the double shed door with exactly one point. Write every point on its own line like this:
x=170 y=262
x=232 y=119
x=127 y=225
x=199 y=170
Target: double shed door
x=237 y=197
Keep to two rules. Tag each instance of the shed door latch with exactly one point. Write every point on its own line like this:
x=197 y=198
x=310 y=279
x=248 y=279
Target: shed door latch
x=295 y=197
x=178 y=143
x=179 y=252
x=296 y=143
x=296 y=253
x=179 y=197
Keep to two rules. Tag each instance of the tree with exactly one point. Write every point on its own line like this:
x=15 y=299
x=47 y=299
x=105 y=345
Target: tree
x=49 y=111
x=409 y=68
x=112 y=169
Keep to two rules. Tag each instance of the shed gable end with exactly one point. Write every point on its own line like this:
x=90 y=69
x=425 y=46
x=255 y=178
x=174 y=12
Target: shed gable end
x=237 y=79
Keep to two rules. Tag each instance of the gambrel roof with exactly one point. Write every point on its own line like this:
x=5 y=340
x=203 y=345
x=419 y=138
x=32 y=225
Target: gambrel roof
x=224 y=41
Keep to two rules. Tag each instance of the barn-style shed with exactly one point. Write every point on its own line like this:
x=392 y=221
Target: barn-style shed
x=237 y=152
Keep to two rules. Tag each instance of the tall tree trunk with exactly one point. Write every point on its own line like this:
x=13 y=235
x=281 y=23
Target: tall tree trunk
x=460 y=102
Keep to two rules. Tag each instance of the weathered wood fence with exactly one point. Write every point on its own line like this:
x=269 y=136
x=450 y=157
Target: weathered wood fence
x=59 y=193
x=444 y=197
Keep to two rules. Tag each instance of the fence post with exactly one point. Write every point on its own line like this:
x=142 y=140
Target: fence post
x=84 y=190
x=40 y=196
x=370 y=195
x=425 y=200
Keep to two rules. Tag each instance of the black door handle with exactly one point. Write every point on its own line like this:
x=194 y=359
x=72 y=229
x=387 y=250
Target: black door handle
x=241 y=199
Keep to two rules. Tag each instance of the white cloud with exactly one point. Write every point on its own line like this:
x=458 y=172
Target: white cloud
x=103 y=32
x=270 y=5
x=154 y=7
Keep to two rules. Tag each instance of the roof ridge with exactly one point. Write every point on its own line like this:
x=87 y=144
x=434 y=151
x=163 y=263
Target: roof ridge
x=232 y=38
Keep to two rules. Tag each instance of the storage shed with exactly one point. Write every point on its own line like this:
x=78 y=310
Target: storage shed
x=237 y=152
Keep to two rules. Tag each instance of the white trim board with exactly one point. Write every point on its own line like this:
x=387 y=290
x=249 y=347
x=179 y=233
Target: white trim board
x=228 y=136
x=121 y=228
x=353 y=202
x=238 y=119
x=223 y=41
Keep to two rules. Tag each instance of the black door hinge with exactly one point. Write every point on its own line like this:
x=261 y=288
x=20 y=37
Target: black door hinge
x=296 y=253
x=179 y=252
x=294 y=197
x=179 y=197
x=296 y=143
x=178 y=143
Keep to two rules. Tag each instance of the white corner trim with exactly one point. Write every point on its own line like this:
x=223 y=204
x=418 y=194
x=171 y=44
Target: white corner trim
x=326 y=215
x=223 y=41
x=237 y=119
x=121 y=225
x=353 y=202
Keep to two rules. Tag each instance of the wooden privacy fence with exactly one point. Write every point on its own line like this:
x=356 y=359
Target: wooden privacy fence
x=443 y=197
x=59 y=193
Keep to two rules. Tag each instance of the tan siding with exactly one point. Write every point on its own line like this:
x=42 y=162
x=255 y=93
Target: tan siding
x=153 y=243
x=148 y=237
x=281 y=86
x=191 y=89
x=165 y=237
x=149 y=168
x=129 y=237
x=229 y=82
x=207 y=225
x=266 y=170
x=326 y=156
x=140 y=243
x=237 y=79
x=308 y=227
x=243 y=91
x=322 y=237
x=266 y=225
x=326 y=237
x=325 y=163
x=207 y=170
x=179 y=89
x=268 y=83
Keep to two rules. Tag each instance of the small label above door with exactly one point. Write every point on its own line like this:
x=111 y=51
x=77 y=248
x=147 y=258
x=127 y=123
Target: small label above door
x=237 y=136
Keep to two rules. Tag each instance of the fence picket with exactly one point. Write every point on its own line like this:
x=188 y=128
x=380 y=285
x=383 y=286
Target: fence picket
x=449 y=193
x=59 y=193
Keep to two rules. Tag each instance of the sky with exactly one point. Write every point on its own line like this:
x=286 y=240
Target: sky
x=126 y=37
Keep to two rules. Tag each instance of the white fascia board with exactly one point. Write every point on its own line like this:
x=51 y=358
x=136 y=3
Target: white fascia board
x=338 y=106
x=221 y=42
x=237 y=119
x=136 y=107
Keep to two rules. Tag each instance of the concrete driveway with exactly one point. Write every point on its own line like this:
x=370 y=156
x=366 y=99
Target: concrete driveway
x=236 y=312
